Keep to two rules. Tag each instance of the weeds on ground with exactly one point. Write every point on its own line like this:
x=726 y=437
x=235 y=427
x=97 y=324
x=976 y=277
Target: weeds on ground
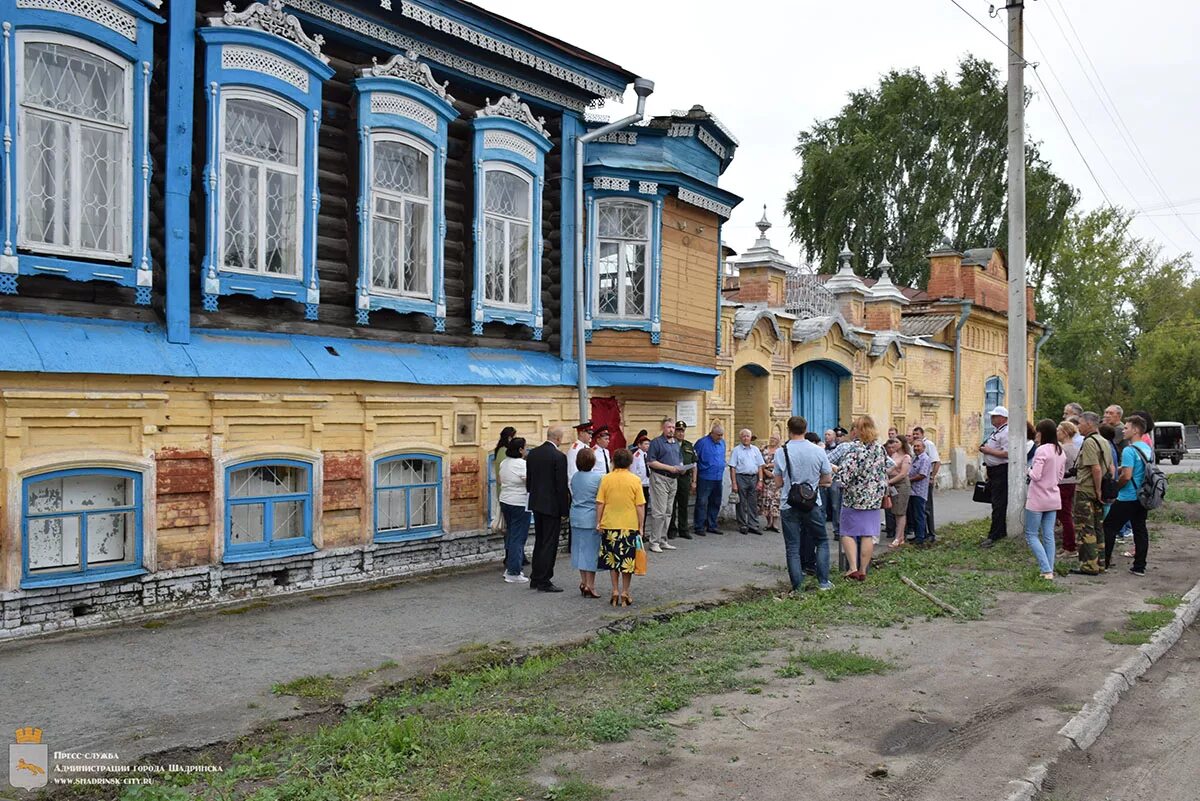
x=1141 y=625
x=1166 y=601
x=835 y=665
x=474 y=735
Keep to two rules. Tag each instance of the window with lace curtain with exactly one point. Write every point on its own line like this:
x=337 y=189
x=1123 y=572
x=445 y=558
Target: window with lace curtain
x=401 y=248
x=622 y=258
x=75 y=108
x=507 y=210
x=262 y=142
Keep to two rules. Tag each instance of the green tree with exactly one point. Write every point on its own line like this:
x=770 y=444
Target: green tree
x=1167 y=372
x=915 y=159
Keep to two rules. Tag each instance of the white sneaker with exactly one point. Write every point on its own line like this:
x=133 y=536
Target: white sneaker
x=669 y=547
x=655 y=548
x=520 y=578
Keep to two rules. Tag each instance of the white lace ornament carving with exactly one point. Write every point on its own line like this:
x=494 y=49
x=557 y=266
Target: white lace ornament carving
x=406 y=67
x=517 y=54
x=701 y=202
x=504 y=140
x=679 y=129
x=271 y=18
x=648 y=187
x=97 y=11
x=615 y=184
x=711 y=143
x=388 y=103
x=620 y=138
x=380 y=33
x=510 y=106
x=249 y=58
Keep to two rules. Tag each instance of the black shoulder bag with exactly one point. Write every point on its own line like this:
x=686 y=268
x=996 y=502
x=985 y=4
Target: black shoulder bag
x=802 y=496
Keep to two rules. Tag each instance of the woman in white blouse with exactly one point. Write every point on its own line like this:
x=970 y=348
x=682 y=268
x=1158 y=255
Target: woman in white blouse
x=514 y=503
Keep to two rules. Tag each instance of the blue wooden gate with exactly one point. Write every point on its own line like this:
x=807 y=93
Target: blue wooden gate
x=815 y=396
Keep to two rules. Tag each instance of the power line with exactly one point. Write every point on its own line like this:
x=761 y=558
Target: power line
x=1114 y=113
x=1049 y=99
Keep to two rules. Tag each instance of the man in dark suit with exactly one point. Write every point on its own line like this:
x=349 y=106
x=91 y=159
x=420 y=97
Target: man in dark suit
x=549 y=500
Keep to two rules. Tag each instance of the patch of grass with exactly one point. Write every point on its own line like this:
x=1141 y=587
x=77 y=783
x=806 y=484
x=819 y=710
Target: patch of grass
x=154 y=624
x=835 y=665
x=475 y=732
x=1140 y=626
x=322 y=688
x=1165 y=601
x=791 y=670
x=574 y=790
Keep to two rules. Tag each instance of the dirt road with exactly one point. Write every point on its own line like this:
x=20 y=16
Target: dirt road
x=1149 y=751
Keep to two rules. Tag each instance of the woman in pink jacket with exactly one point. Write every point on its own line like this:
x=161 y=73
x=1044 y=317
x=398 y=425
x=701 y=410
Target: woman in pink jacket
x=1044 y=501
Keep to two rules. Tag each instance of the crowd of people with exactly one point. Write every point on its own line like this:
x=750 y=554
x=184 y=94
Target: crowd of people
x=1083 y=475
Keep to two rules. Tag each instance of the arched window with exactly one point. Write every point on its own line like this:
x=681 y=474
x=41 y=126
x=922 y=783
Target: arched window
x=408 y=497
x=81 y=525
x=268 y=509
x=262 y=140
x=993 y=396
x=262 y=77
x=510 y=162
x=507 y=231
x=622 y=259
x=401 y=231
x=75 y=168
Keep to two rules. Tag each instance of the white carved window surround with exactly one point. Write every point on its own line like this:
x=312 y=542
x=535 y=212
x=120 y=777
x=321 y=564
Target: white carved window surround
x=261 y=184
x=388 y=103
x=622 y=274
x=507 y=235
x=502 y=140
x=98 y=11
x=74 y=151
x=401 y=240
x=255 y=60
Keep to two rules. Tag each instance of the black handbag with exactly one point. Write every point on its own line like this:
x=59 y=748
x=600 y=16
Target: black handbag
x=982 y=494
x=802 y=496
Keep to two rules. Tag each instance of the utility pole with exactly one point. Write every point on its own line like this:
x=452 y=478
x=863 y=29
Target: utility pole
x=1018 y=359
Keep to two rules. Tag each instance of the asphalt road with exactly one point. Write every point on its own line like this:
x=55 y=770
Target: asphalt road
x=206 y=677
x=1151 y=747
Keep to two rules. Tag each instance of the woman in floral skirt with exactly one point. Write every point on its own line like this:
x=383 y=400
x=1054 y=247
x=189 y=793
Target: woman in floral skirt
x=768 y=498
x=621 y=515
x=862 y=471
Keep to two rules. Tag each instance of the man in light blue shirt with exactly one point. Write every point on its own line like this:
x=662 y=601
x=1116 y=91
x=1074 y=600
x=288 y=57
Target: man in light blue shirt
x=803 y=463
x=1127 y=508
x=746 y=465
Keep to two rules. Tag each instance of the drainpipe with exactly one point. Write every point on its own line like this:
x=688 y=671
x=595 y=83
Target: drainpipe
x=643 y=88
x=962 y=320
x=1037 y=356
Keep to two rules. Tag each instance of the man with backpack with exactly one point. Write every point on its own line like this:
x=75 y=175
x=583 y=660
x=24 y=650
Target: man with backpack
x=805 y=470
x=1141 y=488
x=1093 y=465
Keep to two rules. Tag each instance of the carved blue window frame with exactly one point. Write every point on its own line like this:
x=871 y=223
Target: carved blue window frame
x=84 y=572
x=269 y=548
x=409 y=532
x=121 y=31
x=262 y=54
x=646 y=192
x=399 y=100
x=508 y=137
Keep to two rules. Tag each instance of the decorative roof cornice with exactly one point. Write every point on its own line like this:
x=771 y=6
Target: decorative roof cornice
x=510 y=106
x=406 y=67
x=271 y=18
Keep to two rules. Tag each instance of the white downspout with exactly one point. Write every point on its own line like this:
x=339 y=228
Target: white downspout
x=643 y=88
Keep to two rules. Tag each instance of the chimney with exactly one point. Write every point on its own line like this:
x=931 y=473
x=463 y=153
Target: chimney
x=884 y=301
x=848 y=288
x=945 y=272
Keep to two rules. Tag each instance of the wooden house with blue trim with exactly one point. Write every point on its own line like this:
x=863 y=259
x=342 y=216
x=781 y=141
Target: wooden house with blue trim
x=274 y=276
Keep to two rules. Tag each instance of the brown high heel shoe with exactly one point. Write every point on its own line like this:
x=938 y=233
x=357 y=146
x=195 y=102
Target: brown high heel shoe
x=591 y=593
x=583 y=590
x=615 y=600
x=627 y=599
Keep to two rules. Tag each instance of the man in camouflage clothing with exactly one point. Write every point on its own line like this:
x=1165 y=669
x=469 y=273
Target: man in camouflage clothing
x=679 y=520
x=1095 y=457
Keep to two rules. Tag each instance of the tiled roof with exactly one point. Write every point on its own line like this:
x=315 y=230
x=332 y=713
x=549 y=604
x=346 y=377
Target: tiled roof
x=744 y=320
x=816 y=327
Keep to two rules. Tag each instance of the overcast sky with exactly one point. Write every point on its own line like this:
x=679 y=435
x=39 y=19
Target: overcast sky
x=768 y=69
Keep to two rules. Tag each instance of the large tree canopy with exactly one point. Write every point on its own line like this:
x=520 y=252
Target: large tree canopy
x=915 y=159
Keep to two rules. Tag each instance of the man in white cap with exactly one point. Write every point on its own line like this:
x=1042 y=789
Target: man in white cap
x=995 y=460
x=583 y=439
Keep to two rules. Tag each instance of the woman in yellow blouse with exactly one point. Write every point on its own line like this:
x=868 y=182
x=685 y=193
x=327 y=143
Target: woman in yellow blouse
x=620 y=514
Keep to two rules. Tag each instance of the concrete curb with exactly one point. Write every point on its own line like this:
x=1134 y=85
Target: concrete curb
x=1090 y=722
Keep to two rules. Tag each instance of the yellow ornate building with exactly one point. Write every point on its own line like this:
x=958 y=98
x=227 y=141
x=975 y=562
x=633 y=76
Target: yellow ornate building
x=832 y=347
